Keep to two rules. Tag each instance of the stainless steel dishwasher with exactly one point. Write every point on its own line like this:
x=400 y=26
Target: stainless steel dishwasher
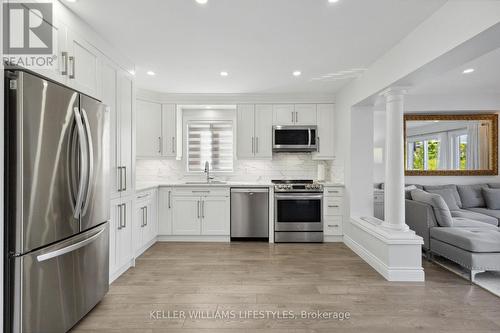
x=250 y=213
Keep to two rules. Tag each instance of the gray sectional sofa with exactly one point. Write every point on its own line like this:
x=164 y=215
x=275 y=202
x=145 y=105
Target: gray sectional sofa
x=458 y=222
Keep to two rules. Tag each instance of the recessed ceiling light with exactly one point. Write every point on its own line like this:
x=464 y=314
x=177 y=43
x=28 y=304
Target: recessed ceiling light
x=151 y=73
x=468 y=71
x=297 y=73
x=224 y=73
x=71 y=0
x=202 y=2
x=132 y=72
x=333 y=1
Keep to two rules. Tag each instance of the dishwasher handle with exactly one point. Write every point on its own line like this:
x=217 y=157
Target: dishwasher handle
x=249 y=190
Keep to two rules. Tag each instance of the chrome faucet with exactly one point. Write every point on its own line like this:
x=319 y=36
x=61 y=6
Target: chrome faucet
x=207 y=171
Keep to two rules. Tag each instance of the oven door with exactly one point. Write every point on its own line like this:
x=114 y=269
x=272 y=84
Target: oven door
x=298 y=212
x=294 y=138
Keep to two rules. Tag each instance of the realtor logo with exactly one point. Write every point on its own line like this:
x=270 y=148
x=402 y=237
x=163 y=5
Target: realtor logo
x=27 y=28
x=28 y=35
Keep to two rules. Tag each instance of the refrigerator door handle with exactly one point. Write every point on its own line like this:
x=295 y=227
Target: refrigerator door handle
x=83 y=171
x=90 y=161
x=70 y=248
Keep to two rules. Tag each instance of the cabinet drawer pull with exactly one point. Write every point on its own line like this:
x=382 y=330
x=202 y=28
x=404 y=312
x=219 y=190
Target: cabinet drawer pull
x=72 y=61
x=64 y=56
x=333 y=225
x=143 y=196
x=333 y=191
x=333 y=206
x=200 y=191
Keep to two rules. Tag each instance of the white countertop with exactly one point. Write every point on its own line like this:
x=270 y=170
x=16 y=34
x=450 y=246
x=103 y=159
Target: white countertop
x=142 y=186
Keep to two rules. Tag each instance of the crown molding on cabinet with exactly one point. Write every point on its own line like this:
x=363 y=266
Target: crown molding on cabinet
x=221 y=99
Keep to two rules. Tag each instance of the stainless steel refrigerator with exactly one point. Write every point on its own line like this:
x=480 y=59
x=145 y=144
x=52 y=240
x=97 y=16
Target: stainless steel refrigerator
x=57 y=204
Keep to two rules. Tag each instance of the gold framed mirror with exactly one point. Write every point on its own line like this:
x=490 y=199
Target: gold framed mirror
x=451 y=145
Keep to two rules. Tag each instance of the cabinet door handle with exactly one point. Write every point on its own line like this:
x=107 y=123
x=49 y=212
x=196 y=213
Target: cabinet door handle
x=257 y=145
x=125 y=176
x=296 y=116
x=319 y=149
x=124 y=215
x=169 y=199
x=146 y=219
x=293 y=117
x=198 y=208
x=72 y=75
x=173 y=144
x=64 y=56
x=119 y=185
x=159 y=145
x=119 y=217
x=203 y=209
x=253 y=145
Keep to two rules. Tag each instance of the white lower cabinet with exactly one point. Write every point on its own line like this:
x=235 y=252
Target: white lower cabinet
x=200 y=213
x=120 y=242
x=145 y=221
x=333 y=208
x=165 y=205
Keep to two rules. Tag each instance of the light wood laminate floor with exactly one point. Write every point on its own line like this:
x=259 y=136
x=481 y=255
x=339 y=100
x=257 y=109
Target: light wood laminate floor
x=214 y=278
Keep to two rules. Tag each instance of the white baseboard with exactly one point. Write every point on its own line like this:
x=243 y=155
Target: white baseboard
x=219 y=239
x=116 y=274
x=144 y=248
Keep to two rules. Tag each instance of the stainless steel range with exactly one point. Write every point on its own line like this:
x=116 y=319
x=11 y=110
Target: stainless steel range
x=298 y=211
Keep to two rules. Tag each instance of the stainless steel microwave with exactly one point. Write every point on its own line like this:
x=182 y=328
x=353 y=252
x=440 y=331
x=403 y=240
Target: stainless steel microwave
x=295 y=138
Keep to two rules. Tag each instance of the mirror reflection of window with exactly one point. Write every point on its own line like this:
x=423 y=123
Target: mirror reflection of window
x=460 y=145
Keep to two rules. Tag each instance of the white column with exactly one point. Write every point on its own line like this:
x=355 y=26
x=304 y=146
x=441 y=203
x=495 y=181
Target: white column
x=394 y=160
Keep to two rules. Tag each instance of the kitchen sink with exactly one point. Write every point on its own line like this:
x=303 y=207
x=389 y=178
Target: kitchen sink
x=212 y=182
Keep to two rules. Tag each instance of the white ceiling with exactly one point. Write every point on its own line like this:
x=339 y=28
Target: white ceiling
x=259 y=42
x=484 y=80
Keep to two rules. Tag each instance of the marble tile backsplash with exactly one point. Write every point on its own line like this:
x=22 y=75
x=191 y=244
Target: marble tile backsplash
x=282 y=166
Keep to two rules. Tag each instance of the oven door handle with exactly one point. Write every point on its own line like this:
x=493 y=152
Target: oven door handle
x=298 y=196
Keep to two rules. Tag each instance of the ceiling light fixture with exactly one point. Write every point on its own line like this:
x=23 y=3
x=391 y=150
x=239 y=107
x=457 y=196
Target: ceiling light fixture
x=70 y=0
x=468 y=71
x=132 y=72
x=333 y=1
x=151 y=73
x=223 y=73
x=202 y=2
x=297 y=73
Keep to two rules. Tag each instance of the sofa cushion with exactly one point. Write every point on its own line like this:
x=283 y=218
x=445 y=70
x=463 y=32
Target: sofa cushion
x=477 y=240
x=471 y=195
x=462 y=222
x=451 y=187
x=473 y=214
x=408 y=190
x=492 y=197
x=441 y=210
x=492 y=213
x=448 y=197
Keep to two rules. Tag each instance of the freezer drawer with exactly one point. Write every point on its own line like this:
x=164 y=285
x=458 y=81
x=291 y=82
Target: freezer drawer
x=60 y=284
x=249 y=213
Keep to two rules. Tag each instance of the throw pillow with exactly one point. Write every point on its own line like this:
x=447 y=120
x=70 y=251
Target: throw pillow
x=441 y=210
x=448 y=197
x=492 y=198
x=472 y=195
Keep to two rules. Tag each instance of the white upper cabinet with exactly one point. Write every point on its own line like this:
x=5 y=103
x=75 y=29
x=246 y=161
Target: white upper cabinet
x=294 y=114
x=84 y=65
x=148 y=129
x=254 y=131
x=169 y=130
x=264 y=131
x=246 y=131
x=305 y=114
x=125 y=127
x=284 y=114
x=325 y=123
x=109 y=97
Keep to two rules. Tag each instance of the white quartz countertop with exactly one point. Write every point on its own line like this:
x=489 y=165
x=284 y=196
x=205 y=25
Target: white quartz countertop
x=142 y=186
